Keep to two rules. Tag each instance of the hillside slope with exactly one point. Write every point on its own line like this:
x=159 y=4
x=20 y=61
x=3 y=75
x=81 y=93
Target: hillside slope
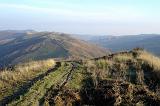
x=22 y=46
x=124 y=78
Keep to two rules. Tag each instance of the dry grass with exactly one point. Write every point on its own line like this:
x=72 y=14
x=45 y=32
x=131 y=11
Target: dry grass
x=10 y=80
x=153 y=61
x=26 y=70
x=123 y=57
x=103 y=64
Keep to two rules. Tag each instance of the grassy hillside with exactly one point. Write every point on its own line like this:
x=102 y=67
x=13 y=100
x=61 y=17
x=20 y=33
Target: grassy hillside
x=24 y=46
x=124 y=78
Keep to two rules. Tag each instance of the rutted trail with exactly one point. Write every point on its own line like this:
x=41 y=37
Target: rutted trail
x=25 y=87
x=39 y=89
x=60 y=85
x=69 y=87
x=68 y=76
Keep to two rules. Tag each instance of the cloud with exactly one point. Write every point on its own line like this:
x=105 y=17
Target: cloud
x=108 y=14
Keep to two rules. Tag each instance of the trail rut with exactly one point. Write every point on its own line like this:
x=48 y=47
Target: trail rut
x=25 y=87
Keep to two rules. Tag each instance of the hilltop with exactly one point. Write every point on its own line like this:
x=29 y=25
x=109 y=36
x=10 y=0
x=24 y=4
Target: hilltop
x=124 y=78
x=22 y=46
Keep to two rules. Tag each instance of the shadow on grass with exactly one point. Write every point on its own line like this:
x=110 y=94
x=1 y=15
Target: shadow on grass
x=97 y=96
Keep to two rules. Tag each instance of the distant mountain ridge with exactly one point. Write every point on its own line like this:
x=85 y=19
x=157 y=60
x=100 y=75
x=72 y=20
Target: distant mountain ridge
x=20 y=46
x=150 y=42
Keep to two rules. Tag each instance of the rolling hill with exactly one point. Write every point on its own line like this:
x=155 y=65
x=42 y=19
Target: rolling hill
x=20 y=46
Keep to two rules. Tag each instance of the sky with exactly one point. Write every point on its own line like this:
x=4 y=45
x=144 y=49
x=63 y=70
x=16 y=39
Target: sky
x=96 y=17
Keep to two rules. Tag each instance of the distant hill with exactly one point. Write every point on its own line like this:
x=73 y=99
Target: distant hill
x=12 y=34
x=19 y=46
x=150 y=42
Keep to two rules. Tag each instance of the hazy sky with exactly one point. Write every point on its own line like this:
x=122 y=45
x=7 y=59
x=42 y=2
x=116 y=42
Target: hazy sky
x=115 y=17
